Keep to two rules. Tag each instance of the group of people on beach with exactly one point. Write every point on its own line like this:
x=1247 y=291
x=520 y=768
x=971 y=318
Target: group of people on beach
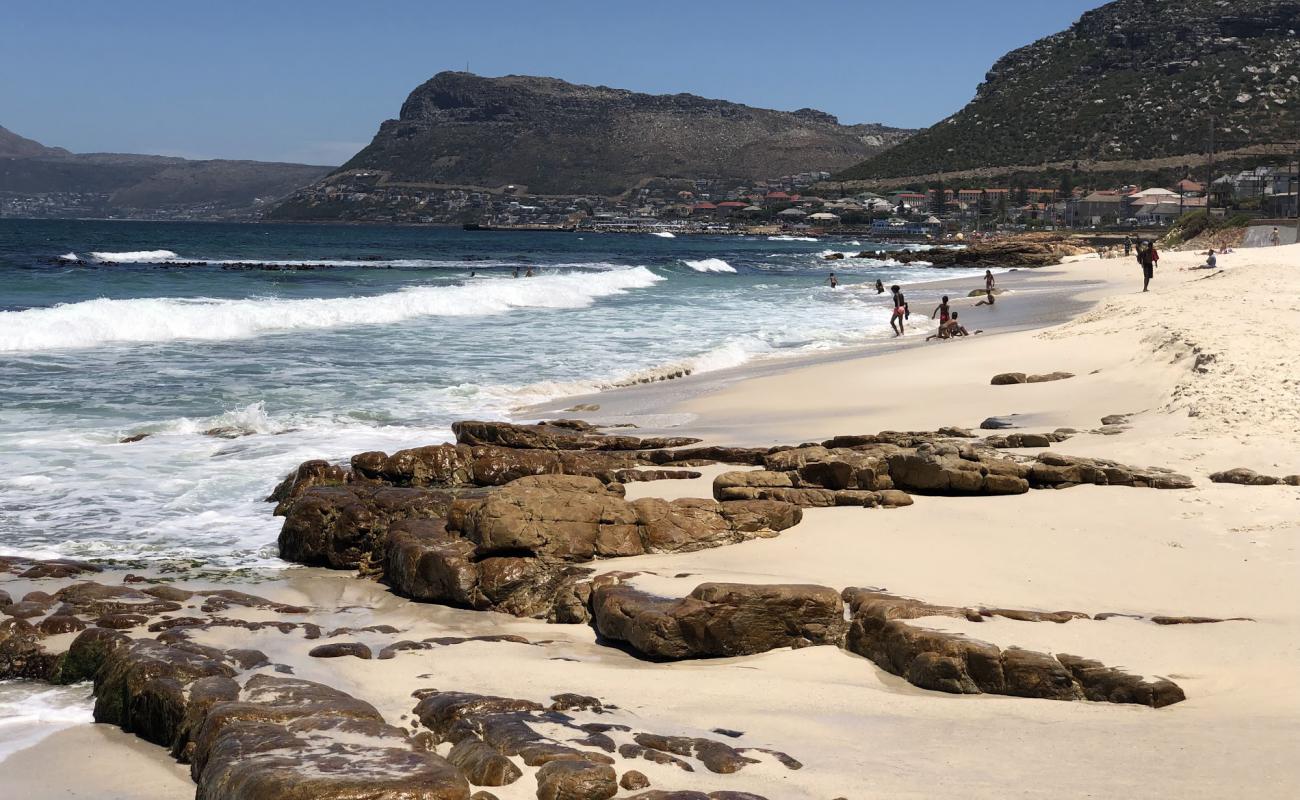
x=949 y=325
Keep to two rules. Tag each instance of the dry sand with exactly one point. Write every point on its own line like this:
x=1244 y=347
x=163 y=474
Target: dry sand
x=1215 y=550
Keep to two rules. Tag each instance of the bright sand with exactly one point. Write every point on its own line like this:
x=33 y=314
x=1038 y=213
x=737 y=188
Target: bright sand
x=1215 y=550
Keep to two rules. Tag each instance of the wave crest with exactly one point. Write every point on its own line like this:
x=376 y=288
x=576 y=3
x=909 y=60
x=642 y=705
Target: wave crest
x=94 y=323
x=709 y=265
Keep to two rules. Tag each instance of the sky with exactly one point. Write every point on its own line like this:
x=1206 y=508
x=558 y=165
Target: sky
x=310 y=80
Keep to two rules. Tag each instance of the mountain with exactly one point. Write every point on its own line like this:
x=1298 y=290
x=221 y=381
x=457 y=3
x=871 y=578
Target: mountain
x=1130 y=81
x=40 y=181
x=460 y=129
x=15 y=146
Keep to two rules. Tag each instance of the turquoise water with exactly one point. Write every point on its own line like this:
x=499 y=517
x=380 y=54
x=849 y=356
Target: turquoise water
x=114 y=329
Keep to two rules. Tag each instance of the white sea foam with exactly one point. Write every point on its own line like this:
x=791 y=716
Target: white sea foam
x=97 y=322
x=784 y=238
x=709 y=265
x=135 y=257
x=69 y=257
x=29 y=714
x=664 y=234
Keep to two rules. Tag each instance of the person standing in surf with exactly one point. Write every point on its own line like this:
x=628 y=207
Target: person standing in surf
x=900 y=310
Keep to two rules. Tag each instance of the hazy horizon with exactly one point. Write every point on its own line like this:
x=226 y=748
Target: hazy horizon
x=312 y=82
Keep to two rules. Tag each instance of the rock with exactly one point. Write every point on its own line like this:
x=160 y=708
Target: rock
x=90 y=599
x=34 y=569
x=1243 y=476
x=425 y=562
x=576 y=780
x=298 y=740
x=564 y=525
x=1115 y=419
x=141 y=687
x=340 y=650
x=307 y=475
x=1007 y=378
x=557 y=435
x=1106 y=684
x=1020 y=440
x=344 y=527
x=86 y=655
x=638 y=475
x=1054 y=469
x=569 y=701
x=947 y=474
x=482 y=765
x=21 y=653
x=949 y=662
x=1048 y=377
x=998 y=423
x=719 y=619
x=833 y=256
x=60 y=623
x=633 y=780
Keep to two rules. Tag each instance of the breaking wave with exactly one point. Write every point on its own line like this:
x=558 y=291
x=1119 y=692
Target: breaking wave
x=784 y=238
x=134 y=257
x=105 y=321
x=664 y=234
x=709 y=265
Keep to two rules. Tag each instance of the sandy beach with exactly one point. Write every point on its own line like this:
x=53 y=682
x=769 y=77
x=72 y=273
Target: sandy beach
x=1200 y=372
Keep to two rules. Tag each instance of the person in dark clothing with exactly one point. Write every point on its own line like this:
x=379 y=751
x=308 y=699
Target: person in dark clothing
x=900 y=312
x=1148 y=257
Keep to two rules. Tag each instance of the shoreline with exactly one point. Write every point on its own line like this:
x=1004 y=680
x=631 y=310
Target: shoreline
x=657 y=406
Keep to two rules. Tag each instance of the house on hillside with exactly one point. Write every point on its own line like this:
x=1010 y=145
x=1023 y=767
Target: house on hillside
x=1100 y=208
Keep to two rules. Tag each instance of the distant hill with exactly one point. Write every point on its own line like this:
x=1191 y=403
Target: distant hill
x=13 y=145
x=1130 y=81
x=561 y=138
x=40 y=181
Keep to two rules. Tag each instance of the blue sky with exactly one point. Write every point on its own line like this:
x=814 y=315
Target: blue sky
x=307 y=81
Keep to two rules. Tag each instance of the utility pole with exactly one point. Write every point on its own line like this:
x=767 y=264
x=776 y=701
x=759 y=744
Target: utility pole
x=1296 y=197
x=1209 y=184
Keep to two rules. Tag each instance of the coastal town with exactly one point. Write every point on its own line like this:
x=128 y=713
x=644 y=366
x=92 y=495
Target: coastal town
x=805 y=202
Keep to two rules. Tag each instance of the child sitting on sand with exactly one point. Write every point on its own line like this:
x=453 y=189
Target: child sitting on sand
x=951 y=329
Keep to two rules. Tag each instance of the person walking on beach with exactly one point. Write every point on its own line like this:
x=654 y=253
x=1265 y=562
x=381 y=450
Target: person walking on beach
x=516 y=275
x=1275 y=237
x=900 y=310
x=1128 y=246
x=833 y=281
x=942 y=311
x=1147 y=257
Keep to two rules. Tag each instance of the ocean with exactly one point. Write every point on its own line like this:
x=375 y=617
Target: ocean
x=239 y=351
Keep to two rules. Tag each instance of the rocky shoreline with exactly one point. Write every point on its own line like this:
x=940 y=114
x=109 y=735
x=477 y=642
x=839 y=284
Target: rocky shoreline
x=523 y=519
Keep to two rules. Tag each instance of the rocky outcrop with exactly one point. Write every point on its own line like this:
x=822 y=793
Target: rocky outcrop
x=1020 y=252
x=344 y=527
x=271 y=737
x=719 y=619
x=951 y=662
x=517 y=550
x=1249 y=477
